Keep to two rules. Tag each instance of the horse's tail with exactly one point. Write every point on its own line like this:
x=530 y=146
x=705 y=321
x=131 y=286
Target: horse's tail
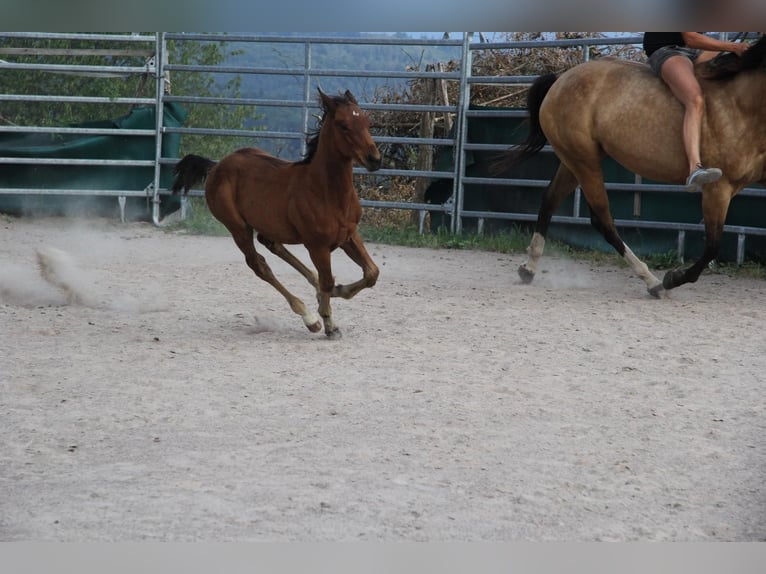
x=191 y=170
x=536 y=138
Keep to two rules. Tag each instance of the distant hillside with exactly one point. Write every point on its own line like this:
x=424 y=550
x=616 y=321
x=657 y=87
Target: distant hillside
x=394 y=58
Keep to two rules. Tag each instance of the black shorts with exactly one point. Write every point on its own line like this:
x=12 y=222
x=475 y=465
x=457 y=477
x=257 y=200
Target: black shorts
x=661 y=55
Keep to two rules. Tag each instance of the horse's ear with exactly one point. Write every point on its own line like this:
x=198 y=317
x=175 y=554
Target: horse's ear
x=327 y=102
x=350 y=97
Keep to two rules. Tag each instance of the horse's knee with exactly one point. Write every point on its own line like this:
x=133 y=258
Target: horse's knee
x=371 y=275
x=326 y=284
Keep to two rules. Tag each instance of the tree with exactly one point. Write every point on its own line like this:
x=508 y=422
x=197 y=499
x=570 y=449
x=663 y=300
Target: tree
x=207 y=84
x=113 y=85
x=65 y=52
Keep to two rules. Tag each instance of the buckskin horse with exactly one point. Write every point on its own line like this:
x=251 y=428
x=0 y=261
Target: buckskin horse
x=617 y=108
x=311 y=202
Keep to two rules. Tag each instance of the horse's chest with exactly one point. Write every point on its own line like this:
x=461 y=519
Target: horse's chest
x=344 y=229
x=332 y=228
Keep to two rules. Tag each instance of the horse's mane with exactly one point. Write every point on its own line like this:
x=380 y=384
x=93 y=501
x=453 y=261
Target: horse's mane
x=728 y=65
x=312 y=142
x=312 y=137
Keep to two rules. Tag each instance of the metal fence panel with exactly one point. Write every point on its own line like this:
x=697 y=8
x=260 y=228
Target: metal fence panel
x=307 y=73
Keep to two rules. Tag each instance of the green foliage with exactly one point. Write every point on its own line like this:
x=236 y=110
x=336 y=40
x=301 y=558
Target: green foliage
x=333 y=56
x=209 y=84
x=667 y=260
x=104 y=52
x=199 y=220
x=70 y=52
x=512 y=241
x=749 y=269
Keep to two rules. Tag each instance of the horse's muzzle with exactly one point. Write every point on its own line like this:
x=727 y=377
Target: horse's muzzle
x=372 y=162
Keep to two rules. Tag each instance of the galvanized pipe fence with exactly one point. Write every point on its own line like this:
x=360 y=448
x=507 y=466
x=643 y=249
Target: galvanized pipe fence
x=159 y=69
x=133 y=45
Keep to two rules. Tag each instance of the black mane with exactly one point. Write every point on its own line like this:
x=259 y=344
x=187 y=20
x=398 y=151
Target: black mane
x=312 y=142
x=728 y=64
x=312 y=137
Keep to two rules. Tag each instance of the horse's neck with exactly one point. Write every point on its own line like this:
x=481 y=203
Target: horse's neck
x=335 y=171
x=739 y=116
x=740 y=98
x=749 y=89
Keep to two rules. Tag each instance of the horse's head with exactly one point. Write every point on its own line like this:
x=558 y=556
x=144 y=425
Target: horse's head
x=350 y=129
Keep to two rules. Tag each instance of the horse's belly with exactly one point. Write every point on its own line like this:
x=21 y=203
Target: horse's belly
x=650 y=159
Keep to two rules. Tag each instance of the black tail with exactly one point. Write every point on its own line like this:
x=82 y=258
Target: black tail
x=192 y=169
x=536 y=138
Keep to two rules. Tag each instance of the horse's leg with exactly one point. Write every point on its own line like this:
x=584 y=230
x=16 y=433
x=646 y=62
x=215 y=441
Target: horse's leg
x=282 y=252
x=715 y=205
x=242 y=234
x=357 y=252
x=562 y=184
x=592 y=183
x=321 y=257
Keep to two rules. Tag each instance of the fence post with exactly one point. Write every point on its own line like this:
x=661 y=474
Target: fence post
x=306 y=91
x=461 y=135
x=425 y=155
x=160 y=56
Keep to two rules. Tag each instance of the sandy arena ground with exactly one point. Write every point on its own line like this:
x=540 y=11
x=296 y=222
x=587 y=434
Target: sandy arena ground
x=172 y=396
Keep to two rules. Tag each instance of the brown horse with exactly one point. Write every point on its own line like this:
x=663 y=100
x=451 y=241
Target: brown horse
x=311 y=202
x=620 y=109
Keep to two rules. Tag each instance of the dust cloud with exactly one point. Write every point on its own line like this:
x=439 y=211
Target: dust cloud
x=74 y=275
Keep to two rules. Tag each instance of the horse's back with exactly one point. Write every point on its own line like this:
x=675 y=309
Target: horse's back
x=246 y=157
x=248 y=168
x=608 y=86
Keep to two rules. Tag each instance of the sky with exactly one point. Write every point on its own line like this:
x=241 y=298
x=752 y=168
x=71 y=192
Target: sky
x=379 y=15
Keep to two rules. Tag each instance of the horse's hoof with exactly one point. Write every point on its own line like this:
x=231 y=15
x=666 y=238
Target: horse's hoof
x=314 y=327
x=526 y=275
x=656 y=291
x=334 y=334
